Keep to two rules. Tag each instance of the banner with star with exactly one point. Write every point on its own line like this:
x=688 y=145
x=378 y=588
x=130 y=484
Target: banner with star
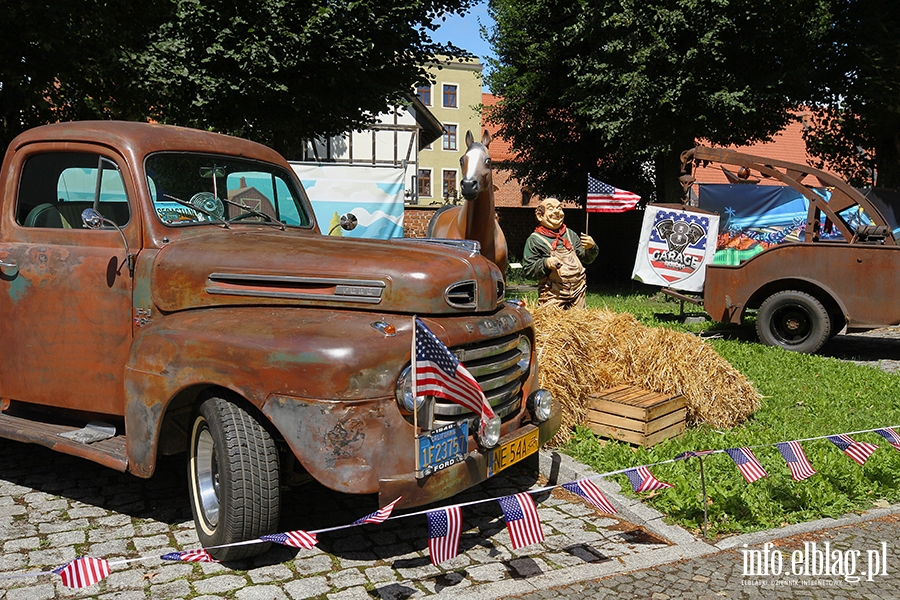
x=674 y=248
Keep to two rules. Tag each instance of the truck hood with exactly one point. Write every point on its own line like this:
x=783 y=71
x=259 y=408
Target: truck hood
x=233 y=267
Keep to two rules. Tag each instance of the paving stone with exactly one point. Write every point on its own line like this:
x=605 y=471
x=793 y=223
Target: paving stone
x=29 y=543
x=315 y=564
x=44 y=591
x=261 y=592
x=347 y=578
x=145 y=544
x=306 y=587
x=66 y=538
x=270 y=573
x=219 y=584
x=491 y=572
x=398 y=591
x=380 y=574
x=111 y=532
x=52 y=557
x=354 y=593
x=173 y=589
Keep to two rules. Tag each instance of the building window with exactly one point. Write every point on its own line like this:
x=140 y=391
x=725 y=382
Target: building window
x=449 y=137
x=449 y=96
x=450 y=185
x=424 y=94
x=425 y=182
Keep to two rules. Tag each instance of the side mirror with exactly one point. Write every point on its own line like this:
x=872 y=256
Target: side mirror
x=92 y=219
x=348 y=223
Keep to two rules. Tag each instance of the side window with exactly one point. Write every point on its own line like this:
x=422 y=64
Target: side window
x=263 y=192
x=56 y=187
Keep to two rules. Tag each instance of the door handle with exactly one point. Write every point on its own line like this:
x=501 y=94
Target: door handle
x=9 y=268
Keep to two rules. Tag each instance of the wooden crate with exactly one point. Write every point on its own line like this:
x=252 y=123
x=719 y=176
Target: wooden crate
x=636 y=415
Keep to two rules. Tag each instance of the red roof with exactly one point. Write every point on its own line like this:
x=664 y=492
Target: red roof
x=786 y=145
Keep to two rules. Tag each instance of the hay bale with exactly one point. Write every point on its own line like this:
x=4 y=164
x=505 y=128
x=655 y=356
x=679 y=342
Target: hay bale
x=582 y=351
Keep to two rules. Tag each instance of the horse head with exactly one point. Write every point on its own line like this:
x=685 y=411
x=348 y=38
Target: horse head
x=475 y=166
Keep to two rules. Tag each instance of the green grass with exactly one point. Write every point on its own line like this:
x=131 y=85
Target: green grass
x=803 y=396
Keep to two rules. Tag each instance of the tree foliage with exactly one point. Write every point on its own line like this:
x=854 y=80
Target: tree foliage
x=276 y=71
x=620 y=88
x=282 y=70
x=856 y=129
x=61 y=60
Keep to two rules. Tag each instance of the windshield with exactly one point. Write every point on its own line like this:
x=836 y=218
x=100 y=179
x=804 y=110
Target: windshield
x=188 y=188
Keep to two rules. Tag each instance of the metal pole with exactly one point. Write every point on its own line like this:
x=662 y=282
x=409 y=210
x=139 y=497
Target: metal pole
x=703 y=487
x=415 y=410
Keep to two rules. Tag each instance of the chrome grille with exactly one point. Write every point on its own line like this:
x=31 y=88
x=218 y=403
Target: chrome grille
x=500 y=369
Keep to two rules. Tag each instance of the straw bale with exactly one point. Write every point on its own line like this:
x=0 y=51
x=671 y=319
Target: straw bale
x=582 y=351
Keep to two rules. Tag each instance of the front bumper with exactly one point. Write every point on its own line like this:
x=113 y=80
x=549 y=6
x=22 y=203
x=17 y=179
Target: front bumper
x=459 y=477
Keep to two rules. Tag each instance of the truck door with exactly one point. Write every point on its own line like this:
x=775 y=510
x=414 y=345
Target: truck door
x=66 y=291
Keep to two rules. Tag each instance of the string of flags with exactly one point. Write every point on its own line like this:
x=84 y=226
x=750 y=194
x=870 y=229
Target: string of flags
x=519 y=510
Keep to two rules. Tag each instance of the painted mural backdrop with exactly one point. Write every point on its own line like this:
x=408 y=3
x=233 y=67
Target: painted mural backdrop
x=756 y=217
x=373 y=194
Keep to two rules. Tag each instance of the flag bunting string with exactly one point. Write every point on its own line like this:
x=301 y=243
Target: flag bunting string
x=519 y=511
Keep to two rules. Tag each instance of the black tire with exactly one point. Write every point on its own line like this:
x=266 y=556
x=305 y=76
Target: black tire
x=793 y=320
x=233 y=477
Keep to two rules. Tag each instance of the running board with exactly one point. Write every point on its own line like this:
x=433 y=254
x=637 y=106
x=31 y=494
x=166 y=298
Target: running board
x=109 y=453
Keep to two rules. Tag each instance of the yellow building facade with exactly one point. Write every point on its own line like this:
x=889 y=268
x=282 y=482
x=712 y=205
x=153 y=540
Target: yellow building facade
x=454 y=99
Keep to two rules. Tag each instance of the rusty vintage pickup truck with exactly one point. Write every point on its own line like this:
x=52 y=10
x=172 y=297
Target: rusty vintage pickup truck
x=807 y=291
x=165 y=290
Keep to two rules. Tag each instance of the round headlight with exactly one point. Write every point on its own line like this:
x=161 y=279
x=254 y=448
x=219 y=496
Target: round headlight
x=489 y=433
x=540 y=403
x=404 y=391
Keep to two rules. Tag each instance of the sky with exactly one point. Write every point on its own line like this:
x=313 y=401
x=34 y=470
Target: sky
x=464 y=31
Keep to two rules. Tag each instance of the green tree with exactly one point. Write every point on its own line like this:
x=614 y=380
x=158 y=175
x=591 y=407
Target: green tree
x=62 y=60
x=856 y=129
x=280 y=71
x=620 y=88
x=276 y=71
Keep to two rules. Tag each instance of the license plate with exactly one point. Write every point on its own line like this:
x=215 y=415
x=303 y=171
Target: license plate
x=511 y=452
x=443 y=447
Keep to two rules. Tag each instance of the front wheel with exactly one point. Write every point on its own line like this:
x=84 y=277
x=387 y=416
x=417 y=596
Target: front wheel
x=233 y=474
x=793 y=320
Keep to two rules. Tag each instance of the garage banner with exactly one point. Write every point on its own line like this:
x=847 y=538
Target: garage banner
x=674 y=248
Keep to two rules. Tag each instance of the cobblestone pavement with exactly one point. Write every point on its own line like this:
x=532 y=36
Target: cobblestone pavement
x=721 y=575
x=54 y=508
x=878 y=348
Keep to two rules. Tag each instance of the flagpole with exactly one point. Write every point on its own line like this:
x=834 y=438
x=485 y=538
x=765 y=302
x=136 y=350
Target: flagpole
x=703 y=487
x=415 y=410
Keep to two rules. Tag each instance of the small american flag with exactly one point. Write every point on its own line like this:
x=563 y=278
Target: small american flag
x=294 y=539
x=83 y=572
x=444 y=528
x=643 y=481
x=796 y=460
x=522 y=520
x=602 y=197
x=891 y=436
x=439 y=373
x=858 y=451
x=199 y=555
x=590 y=492
x=694 y=454
x=379 y=516
x=747 y=463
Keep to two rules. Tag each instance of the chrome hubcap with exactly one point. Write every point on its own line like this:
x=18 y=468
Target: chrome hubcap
x=207 y=477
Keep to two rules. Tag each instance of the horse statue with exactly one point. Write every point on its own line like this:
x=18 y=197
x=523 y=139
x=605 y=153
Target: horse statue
x=474 y=220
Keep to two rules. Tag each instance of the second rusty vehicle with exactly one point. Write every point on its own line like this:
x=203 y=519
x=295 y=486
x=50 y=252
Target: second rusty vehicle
x=168 y=290
x=806 y=292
